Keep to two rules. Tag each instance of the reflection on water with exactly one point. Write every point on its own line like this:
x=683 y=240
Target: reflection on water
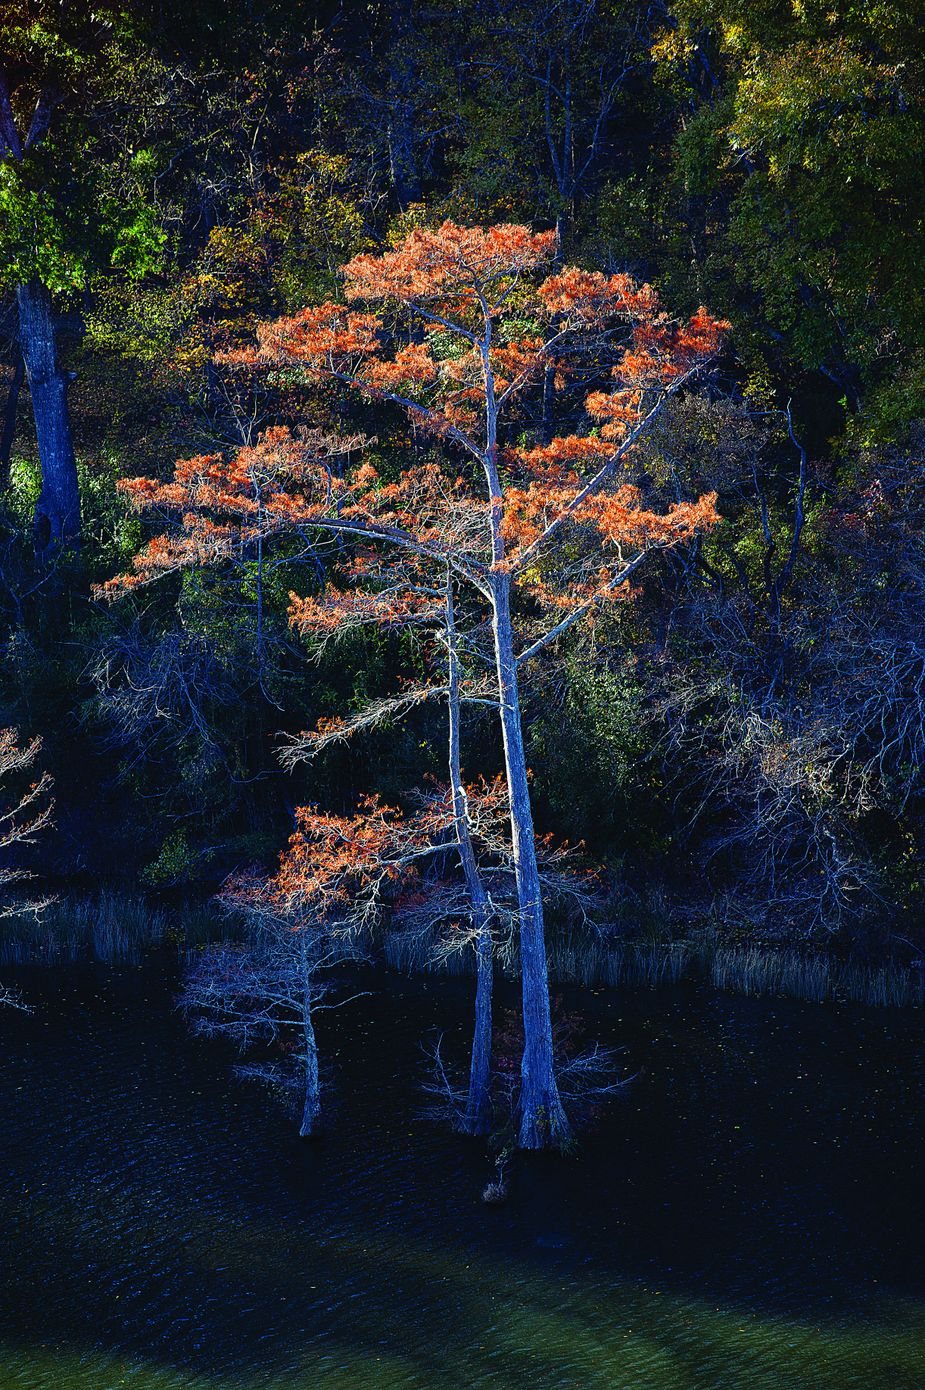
x=748 y=1213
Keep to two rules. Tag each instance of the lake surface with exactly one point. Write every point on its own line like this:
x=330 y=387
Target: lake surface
x=749 y=1211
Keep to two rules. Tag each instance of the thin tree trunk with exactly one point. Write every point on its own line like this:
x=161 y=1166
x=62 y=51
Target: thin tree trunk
x=405 y=179
x=311 y=1112
x=401 y=124
x=549 y=405
x=57 y=511
x=543 y=1121
x=477 y=1118
x=558 y=255
x=260 y=638
x=8 y=435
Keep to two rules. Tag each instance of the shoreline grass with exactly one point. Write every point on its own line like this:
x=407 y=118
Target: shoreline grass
x=735 y=969
x=120 y=928
x=110 y=927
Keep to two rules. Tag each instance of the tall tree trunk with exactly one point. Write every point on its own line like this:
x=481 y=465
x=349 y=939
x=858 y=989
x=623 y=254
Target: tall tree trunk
x=549 y=376
x=543 y=1121
x=8 y=435
x=57 y=511
x=558 y=255
x=311 y=1111
x=549 y=405
x=401 y=122
x=403 y=169
x=477 y=1117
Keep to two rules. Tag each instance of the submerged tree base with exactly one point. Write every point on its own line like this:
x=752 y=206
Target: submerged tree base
x=544 y=1124
x=311 y=1127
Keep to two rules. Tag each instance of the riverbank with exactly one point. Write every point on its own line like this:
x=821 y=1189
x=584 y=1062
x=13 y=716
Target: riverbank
x=596 y=961
x=119 y=928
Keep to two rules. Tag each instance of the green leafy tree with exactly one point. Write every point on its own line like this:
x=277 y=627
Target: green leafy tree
x=73 y=197
x=800 y=134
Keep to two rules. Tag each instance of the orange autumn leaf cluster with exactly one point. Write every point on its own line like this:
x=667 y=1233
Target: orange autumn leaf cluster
x=590 y=296
x=411 y=366
x=317 y=336
x=202 y=542
x=456 y=262
x=618 y=517
x=481 y=324
x=334 y=866
x=332 y=859
x=221 y=503
x=335 y=610
x=455 y=281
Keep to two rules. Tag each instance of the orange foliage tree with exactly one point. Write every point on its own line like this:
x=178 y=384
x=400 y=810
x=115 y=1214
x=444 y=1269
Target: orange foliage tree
x=307 y=918
x=389 y=588
x=21 y=821
x=331 y=884
x=464 y=329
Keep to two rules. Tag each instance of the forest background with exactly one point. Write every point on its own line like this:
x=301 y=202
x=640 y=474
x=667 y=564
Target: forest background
x=742 y=747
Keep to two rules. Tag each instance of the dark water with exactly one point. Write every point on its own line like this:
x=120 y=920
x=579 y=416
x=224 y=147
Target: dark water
x=749 y=1212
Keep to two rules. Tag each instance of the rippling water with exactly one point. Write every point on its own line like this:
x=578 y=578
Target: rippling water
x=749 y=1213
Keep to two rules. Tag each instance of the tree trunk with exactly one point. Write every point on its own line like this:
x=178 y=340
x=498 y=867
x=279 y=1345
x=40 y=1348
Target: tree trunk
x=8 y=435
x=402 y=123
x=406 y=180
x=543 y=1121
x=549 y=405
x=549 y=380
x=558 y=255
x=311 y=1111
x=477 y=1118
x=57 y=511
